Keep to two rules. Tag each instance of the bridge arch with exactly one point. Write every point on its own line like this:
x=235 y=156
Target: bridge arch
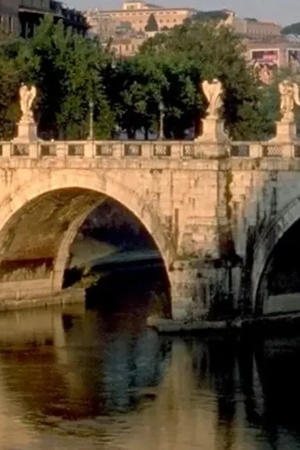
x=65 y=196
x=266 y=245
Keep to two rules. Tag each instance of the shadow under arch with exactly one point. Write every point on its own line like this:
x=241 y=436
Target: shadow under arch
x=39 y=220
x=265 y=247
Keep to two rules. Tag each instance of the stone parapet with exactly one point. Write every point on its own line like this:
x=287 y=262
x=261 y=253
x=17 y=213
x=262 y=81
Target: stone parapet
x=138 y=150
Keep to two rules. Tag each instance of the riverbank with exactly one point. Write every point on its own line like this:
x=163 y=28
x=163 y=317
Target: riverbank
x=268 y=323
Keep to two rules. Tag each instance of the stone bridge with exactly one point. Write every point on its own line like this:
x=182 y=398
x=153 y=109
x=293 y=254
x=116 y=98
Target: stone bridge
x=215 y=211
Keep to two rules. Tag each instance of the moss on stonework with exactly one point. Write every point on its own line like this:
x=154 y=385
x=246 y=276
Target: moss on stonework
x=228 y=194
x=257 y=163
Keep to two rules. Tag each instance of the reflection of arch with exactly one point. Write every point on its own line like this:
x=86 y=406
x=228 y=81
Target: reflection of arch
x=267 y=243
x=90 y=186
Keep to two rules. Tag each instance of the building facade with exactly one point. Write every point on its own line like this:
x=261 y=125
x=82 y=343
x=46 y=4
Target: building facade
x=9 y=10
x=23 y=16
x=252 y=28
x=256 y=29
x=267 y=56
x=136 y=15
x=127 y=47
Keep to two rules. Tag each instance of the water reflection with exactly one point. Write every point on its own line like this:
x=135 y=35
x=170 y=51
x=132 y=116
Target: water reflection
x=71 y=378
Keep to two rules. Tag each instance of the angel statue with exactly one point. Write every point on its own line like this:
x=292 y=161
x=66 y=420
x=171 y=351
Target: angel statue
x=27 y=96
x=289 y=96
x=213 y=92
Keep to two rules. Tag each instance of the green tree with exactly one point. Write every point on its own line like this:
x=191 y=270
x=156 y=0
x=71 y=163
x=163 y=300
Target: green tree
x=206 y=16
x=10 y=77
x=67 y=69
x=151 y=24
x=294 y=28
x=70 y=71
x=197 y=51
x=134 y=89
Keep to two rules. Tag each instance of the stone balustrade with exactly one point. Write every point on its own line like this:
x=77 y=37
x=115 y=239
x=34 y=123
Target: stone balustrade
x=148 y=149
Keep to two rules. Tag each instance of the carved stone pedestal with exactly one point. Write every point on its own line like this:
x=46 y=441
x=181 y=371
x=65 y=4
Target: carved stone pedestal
x=213 y=139
x=285 y=131
x=212 y=131
x=27 y=131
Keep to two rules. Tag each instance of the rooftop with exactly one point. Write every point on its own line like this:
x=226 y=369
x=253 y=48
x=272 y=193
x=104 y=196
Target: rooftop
x=144 y=6
x=107 y=11
x=151 y=5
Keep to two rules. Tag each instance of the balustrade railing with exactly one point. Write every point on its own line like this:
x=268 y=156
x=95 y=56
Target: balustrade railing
x=240 y=150
x=271 y=150
x=20 y=150
x=147 y=150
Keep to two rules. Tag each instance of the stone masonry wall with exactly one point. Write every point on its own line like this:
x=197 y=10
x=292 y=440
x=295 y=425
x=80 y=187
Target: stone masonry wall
x=39 y=201
x=215 y=219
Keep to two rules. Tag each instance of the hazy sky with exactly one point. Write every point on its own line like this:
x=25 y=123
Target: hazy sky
x=281 y=11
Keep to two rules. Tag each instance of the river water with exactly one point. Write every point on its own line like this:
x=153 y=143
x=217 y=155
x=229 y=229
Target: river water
x=72 y=378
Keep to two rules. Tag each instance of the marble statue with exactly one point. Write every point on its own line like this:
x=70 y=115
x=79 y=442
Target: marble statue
x=228 y=22
x=27 y=97
x=289 y=96
x=213 y=92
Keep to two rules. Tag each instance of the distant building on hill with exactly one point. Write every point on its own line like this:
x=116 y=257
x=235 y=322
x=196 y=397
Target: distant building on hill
x=23 y=16
x=136 y=15
x=127 y=28
x=252 y=28
x=126 y=47
x=267 y=56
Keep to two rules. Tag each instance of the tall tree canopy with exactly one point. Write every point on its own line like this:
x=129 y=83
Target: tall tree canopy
x=151 y=24
x=294 y=28
x=165 y=77
x=67 y=69
x=10 y=78
x=197 y=51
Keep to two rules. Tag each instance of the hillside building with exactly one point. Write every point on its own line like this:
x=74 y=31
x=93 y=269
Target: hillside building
x=23 y=16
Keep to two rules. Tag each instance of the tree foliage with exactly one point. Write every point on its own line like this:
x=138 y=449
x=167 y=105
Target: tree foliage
x=70 y=70
x=151 y=24
x=67 y=69
x=10 y=77
x=205 y=16
x=194 y=52
x=294 y=28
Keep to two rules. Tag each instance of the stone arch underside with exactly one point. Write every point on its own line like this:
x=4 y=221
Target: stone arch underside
x=39 y=220
x=265 y=247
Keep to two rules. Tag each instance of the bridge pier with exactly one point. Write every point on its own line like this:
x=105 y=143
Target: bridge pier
x=193 y=288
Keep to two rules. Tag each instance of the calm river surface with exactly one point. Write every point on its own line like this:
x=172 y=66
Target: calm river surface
x=99 y=379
